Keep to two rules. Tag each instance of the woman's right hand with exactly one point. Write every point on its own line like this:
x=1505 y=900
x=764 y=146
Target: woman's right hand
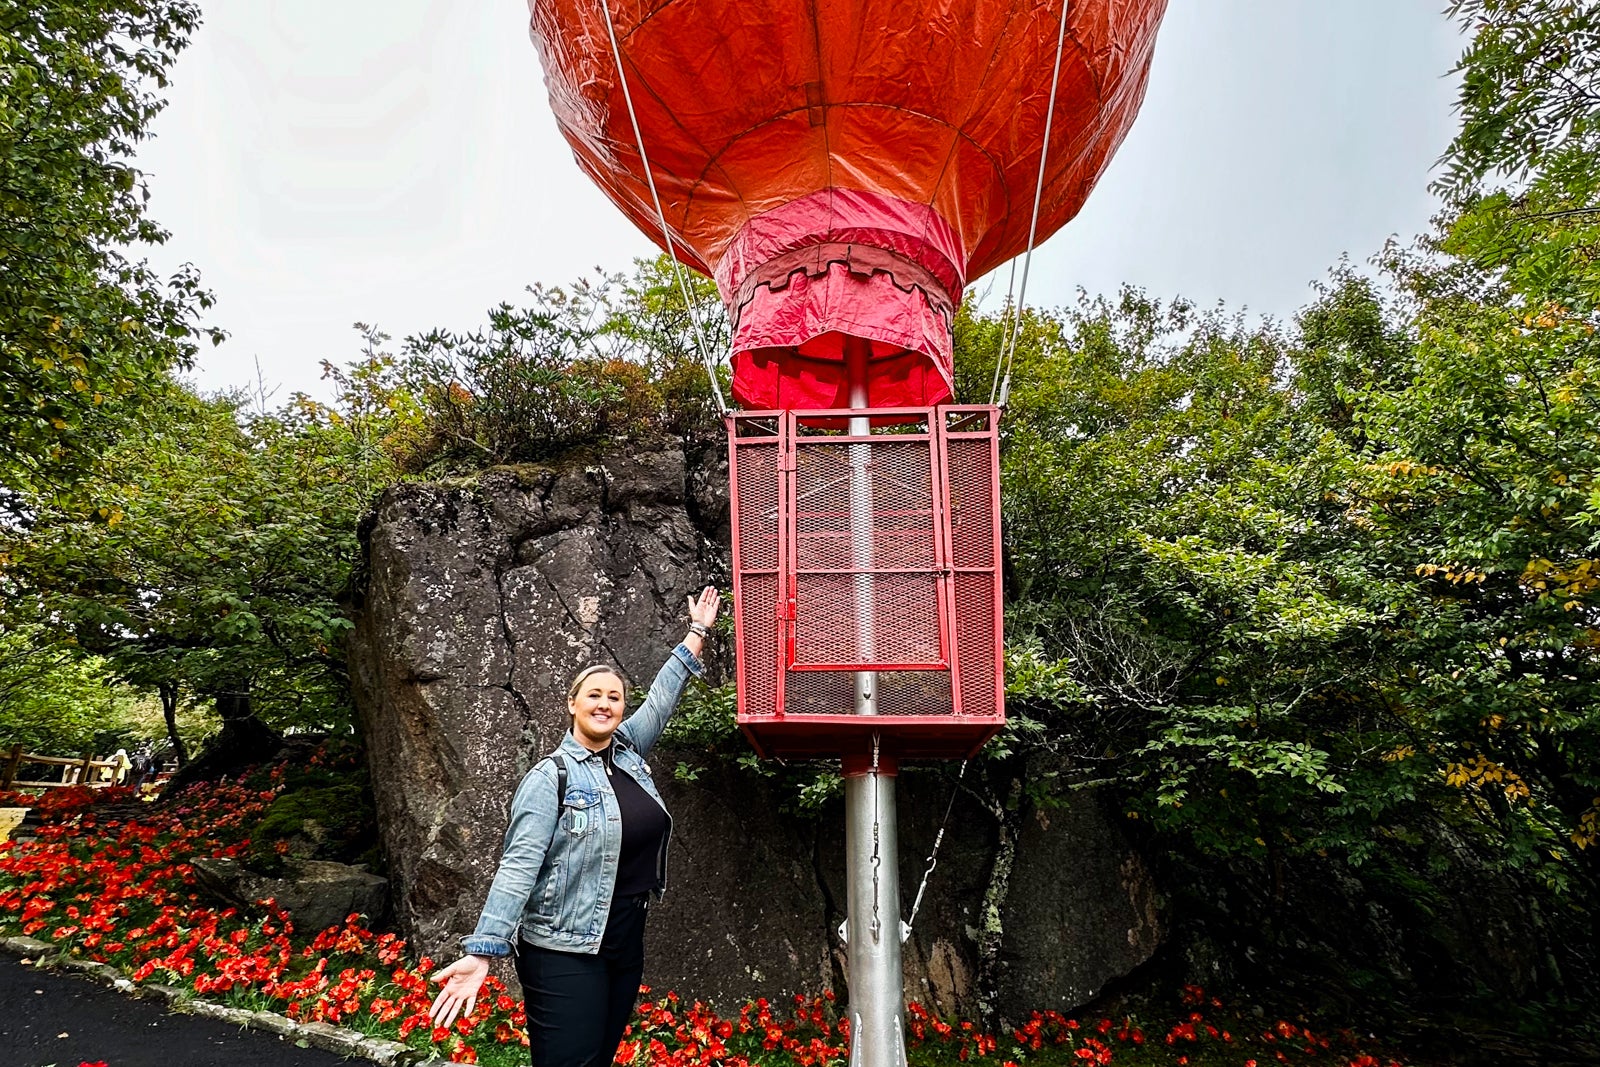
x=462 y=980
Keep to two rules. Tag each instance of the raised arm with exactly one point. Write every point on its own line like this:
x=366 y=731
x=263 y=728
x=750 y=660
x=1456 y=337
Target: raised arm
x=644 y=726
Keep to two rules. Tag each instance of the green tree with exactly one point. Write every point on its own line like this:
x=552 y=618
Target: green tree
x=1328 y=595
x=1170 y=538
x=1484 y=455
x=54 y=700
x=206 y=556
x=84 y=329
x=1530 y=88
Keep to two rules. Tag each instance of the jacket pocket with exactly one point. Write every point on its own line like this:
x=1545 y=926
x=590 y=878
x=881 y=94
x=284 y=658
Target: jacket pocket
x=583 y=812
x=555 y=883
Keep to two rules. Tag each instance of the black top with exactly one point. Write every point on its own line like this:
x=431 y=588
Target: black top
x=644 y=825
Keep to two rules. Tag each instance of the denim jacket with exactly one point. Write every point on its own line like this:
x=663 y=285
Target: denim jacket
x=555 y=882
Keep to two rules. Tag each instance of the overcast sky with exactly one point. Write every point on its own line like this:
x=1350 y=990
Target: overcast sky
x=395 y=162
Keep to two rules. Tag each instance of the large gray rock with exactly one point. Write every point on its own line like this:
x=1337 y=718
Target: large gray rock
x=744 y=914
x=481 y=598
x=317 y=894
x=1082 y=909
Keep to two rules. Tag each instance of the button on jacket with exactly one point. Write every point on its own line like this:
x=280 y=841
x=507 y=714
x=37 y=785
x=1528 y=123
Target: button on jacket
x=555 y=877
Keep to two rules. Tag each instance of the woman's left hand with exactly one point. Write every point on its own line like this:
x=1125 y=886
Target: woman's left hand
x=703 y=608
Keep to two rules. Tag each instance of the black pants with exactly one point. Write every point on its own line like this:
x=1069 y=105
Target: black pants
x=579 y=1005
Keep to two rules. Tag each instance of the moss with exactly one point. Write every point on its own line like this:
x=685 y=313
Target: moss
x=333 y=822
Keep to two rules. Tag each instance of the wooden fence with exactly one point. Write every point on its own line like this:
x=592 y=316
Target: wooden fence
x=79 y=770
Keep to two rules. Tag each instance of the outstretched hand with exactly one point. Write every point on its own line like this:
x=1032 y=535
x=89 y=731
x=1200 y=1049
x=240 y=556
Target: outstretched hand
x=462 y=980
x=703 y=608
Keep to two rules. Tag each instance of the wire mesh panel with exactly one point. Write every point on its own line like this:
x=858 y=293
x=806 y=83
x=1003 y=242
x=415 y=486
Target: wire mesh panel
x=865 y=567
x=865 y=622
x=972 y=495
x=870 y=551
x=754 y=456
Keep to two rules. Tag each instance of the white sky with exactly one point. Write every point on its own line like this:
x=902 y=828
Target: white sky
x=395 y=162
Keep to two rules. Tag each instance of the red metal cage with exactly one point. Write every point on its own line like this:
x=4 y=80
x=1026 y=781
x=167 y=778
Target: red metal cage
x=867 y=552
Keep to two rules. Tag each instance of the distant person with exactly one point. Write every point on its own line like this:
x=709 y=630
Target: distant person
x=144 y=764
x=585 y=854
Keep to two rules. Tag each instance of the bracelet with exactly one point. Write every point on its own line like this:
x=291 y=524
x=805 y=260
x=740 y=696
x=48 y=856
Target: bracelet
x=699 y=630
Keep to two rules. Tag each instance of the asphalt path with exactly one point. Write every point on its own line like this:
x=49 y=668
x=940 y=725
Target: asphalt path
x=47 y=1018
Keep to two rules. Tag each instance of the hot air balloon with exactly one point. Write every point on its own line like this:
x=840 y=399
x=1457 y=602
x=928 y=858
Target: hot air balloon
x=843 y=168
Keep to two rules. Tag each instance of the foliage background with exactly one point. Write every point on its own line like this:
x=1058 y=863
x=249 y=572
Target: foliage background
x=1312 y=606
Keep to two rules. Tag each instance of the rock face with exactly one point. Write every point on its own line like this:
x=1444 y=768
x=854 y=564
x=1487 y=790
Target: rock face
x=480 y=599
x=1081 y=909
x=744 y=914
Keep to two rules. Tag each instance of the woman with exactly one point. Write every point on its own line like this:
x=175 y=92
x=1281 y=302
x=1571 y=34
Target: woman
x=584 y=855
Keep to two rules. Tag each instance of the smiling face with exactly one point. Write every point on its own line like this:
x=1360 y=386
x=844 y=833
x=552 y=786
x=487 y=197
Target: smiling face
x=596 y=706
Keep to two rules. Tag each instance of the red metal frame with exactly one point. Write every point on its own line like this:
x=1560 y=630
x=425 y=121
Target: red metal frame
x=798 y=569
x=934 y=475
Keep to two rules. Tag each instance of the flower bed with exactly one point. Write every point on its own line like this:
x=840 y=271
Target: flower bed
x=119 y=889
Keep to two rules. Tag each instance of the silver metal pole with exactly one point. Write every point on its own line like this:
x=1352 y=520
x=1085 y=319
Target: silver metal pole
x=861 y=525
x=871 y=847
x=877 y=992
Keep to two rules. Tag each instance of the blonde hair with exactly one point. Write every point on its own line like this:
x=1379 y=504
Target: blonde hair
x=589 y=672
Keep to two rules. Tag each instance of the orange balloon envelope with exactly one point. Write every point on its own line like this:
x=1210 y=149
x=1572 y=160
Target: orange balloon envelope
x=842 y=168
